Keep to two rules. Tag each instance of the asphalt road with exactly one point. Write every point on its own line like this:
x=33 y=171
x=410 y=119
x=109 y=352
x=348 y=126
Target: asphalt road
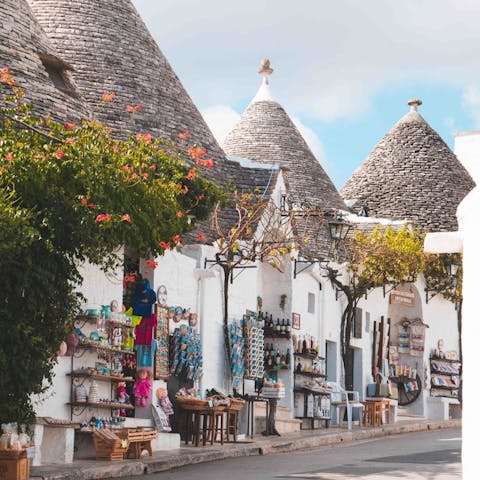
x=432 y=455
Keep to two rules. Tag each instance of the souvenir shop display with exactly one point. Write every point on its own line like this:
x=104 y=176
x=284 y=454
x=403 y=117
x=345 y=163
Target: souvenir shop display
x=162 y=336
x=313 y=402
x=15 y=452
x=276 y=359
x=404 y=383
x=444 y=376
x=279 y=328
x=143 y=387
x=102 y=423
x=186 y=353
x=115 y=363
x=273 y=388
x=162 y=410
x=237 y=348
x=253 y=333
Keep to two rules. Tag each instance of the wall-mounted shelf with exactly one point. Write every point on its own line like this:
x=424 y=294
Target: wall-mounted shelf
x=98 y=376
x=311 y=374
x=311 y=356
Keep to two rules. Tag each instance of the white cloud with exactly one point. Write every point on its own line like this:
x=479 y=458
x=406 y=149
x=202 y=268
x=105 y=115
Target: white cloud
x=471 y=102
x=329 y=58
x=221 y=119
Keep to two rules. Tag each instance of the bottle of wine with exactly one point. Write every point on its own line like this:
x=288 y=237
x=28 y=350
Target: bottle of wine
x=287 y=357
x=304 y=345
x=282 y=326
x=288 y=327
x=277 y=326
x=278 y=359
x=283 y=360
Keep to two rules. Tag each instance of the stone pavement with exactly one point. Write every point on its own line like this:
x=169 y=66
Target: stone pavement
x=162 y=461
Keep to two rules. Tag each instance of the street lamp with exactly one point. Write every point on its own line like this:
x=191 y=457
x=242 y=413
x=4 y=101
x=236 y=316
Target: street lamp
x=453 y=268
x=338 y=229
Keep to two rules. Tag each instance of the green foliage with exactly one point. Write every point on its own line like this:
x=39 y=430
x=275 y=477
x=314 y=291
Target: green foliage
x=70 y=193
x=438 y=279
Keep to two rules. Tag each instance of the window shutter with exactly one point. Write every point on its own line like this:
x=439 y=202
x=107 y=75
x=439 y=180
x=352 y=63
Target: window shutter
x=357 y=323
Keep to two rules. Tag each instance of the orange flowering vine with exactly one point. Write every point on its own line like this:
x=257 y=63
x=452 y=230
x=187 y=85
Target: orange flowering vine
x=6 y=77
x=176 y=239
x=70 y=125
x=103 y=217
x=126 y=218
x=179 y=214
x=60 y=154
x=83 y=201
x=165 y=245
x=184 y=135
x=191 y=174
x=196 y=152
x=9 y=157
x=134 y=109
x=108 y=97
x=201 y=237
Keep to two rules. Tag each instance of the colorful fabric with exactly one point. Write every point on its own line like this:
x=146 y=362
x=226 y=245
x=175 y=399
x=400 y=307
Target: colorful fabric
x=146 y=354
x=144 y=331
x=136 y=319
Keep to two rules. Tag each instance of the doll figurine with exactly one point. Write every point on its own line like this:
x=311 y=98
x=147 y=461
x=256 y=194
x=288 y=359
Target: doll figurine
x=122 y=397
x=143 y=387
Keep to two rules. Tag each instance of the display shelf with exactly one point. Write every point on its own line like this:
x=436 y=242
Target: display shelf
x=90 y=346
x=276 y=367
x=444 y=387
x=94 y=318
x=311 y=356
x=110 y=405
x=98 y=376
x=311 y=374
x=117 y=323
x=270 y=334
x=447 y=374
x=313 y=392
x=438 y=359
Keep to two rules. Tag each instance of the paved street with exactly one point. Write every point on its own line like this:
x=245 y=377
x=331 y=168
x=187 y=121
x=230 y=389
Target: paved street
x=428 y=455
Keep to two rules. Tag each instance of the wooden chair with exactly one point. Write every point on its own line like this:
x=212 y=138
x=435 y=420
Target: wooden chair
x=232 y=422
x=386 y=410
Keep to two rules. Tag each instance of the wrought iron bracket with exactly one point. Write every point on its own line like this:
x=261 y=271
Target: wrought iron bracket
x=220 y=262
x=429 y=294
x=308 y=263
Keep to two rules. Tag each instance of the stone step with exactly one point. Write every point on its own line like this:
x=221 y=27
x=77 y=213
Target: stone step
x=283 y=426
x=283 y=413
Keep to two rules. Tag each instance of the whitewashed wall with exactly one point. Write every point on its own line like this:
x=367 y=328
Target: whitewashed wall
x=99 y=289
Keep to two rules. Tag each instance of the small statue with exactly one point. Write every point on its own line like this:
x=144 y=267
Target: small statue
x=122 y=397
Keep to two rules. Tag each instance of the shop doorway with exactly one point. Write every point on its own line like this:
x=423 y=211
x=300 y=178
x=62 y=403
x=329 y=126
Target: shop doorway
x=331 y=361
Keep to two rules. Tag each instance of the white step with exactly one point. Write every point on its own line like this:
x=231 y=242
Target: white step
x=283 y=413
x=283 y=426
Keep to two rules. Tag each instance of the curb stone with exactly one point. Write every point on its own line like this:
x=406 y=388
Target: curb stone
x=95 y=471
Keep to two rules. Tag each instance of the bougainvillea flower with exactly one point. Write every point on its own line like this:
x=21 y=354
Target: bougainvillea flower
x=70 y=125
x=116 y=148
x=196 y=152
x=201 y=237
x=126 y=218
x=108 y=97
x=71 y=140
x=201 y=196
x=139 y=137
x=103 y=217
x=179 y=214
x=184 y=135
x=165 y=245
x=205 y=162
x=60 y=154
x=130 y=109
x=176 y=239
x=153 y=167
x=145 y=175
x=83 y=201
x=148 y=138
x=4 y=70
x=148 y=263
x=143 y=165
x=139 y=106
x=126 y=168
x=191 y=174
x=9 y=157
x=91 y=206
x=134 y=175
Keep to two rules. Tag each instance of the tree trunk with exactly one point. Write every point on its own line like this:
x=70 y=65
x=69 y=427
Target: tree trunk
x=271 y=429
x=226 y=285
x=346 y=334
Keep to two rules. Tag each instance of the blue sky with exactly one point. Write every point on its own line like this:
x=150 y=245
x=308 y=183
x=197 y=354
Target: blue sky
x=344 y=70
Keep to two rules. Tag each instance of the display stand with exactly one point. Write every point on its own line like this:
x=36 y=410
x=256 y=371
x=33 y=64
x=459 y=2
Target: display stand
x=444 y=377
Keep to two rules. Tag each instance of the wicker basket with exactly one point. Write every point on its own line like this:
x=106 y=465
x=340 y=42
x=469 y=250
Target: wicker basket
x=191 y=403
x=237 y=404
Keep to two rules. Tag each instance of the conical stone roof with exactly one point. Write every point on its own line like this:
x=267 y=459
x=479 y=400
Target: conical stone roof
x=27 y=52
x=112 y=50
x=266 y=134
x=411 y=174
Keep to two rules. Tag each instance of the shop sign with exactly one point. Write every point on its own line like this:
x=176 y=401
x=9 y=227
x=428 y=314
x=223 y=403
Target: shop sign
x=400 y=297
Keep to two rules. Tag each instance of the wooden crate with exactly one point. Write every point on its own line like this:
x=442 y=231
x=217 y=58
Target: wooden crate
x=139 y=439
x=14 y=468
x=109 y=445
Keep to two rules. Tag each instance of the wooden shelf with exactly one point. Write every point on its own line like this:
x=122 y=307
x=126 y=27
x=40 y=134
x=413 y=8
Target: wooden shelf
x=437 y=359
x=277 y=335
x=90 y=346
x=310 y=392
x=311 y=374
x=124 y=406
x=116 y=323
x=276 y=367
x=449 y=374
x=312 y=356
x=444 y=387
x=98 y=376
x=95 y=318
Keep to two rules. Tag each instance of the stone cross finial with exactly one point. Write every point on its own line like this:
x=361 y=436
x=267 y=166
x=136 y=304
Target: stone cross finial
x=414 y=104
x=265 y=71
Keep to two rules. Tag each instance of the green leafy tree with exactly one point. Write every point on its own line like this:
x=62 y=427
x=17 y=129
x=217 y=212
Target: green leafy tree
x=71 y=193
x=373 y=260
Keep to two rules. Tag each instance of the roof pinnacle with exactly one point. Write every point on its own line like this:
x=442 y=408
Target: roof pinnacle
x=414 y=104
x=265 y=71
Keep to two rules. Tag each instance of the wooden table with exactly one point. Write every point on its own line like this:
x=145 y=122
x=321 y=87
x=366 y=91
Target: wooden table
x=393 y=406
